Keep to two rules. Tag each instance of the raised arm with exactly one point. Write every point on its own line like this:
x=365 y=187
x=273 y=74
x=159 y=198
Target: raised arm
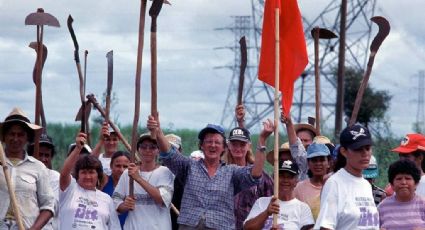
x=257 y=169
x=292 y=135
x=103 y=132
x=240 y=115
x=68 y=165
x=154 y=127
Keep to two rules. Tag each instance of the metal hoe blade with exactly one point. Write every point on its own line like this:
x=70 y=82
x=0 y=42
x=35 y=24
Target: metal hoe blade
x=41 y=18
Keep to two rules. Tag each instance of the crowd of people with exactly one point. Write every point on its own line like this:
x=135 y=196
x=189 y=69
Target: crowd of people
x=221 y=186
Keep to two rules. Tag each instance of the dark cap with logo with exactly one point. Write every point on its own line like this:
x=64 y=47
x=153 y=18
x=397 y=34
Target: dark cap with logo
x=289 y=166
x=239 y=134
x=354 y=137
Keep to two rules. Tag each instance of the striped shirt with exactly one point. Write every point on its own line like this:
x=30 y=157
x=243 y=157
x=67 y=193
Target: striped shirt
x=396 y=215
x=205 y=196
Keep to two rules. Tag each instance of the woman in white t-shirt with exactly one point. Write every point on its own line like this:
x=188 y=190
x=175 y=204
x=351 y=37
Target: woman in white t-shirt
x=149 y=208
x=81 y=204
x=346 y=199
x=292 y=213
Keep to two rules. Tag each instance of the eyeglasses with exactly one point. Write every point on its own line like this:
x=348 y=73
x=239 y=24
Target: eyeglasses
x=210 y=142
x=150 y=147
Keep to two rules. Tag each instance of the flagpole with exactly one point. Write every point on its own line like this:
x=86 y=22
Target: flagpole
x=276 y=114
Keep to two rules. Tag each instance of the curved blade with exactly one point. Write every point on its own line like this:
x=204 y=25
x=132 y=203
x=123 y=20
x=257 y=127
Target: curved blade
x=74 y=38
x=40 y=18
x=323 y=33
x=244 y=60
x=156 y=8
x=34 y=46
x=384 y=30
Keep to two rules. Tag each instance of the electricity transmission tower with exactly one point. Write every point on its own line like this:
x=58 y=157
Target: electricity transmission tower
x=420 y=113
x=258 y=97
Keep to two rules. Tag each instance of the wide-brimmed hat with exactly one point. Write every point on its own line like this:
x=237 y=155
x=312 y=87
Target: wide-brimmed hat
x=284 y=148
x=305 y=126
x=17 y=116
x=411 y=143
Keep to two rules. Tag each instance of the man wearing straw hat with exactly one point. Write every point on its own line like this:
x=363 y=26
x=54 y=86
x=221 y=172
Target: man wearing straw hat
x=35 y=200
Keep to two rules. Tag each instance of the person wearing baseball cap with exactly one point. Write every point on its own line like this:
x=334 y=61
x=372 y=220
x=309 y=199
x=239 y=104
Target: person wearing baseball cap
x=208 y=199
x=308 y=190
x=292 y=213
x=346 y=200
x=412 y=147
x=239 y=153
x=370 y=174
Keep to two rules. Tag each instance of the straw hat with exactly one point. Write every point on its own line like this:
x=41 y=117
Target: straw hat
x=17 y=116
x=284 y=148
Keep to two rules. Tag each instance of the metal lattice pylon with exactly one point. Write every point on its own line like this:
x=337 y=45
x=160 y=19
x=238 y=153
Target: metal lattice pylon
x=258 y=97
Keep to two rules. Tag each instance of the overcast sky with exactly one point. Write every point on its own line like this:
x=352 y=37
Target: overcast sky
x=190 y=92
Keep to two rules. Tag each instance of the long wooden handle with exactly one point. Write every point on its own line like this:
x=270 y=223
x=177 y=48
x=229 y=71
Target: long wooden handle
x=10 y=188
x=317 y=78
x=137 y=89
x=154 y=88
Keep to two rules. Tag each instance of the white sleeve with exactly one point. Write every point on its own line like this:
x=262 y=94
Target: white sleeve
x=306 y=217
x=328 y=214
x=257 y=208
x=299 y=153
x=166 y=186
x=121 y=190
x=114 y=222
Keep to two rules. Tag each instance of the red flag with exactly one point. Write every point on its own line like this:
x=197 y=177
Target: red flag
x=293 y=50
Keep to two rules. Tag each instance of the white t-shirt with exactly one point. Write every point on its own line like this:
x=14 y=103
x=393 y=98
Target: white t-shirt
x=147 y=213
x=293 y=214
x=86 y=209
x=420 y=189
x=347 y=203
x=54 y=184
x=106 y=164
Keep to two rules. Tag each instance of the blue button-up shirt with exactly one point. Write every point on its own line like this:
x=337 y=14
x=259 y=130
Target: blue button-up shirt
x=207 y=196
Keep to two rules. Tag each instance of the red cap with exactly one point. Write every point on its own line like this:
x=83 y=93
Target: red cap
x=411 y=143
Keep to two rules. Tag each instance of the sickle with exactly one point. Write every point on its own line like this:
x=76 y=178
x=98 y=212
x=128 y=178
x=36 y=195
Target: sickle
x=244 y=60
x=34 y=45
x=384 y=30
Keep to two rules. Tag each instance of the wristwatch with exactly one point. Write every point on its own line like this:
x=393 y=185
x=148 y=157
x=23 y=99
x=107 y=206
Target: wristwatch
x=261 y=148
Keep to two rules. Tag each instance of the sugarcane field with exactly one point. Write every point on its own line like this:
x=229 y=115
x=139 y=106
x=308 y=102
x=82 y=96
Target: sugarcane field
x=190 y=115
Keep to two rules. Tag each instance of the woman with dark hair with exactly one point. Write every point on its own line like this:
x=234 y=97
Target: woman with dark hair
x=119 y=163
x=346 y=200
x=82 y=205
x=405 y=209
x=308 y=190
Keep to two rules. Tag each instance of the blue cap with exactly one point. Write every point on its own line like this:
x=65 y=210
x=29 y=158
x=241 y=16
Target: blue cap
x=371 y=171
x=211 y=128
x=317 y=150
